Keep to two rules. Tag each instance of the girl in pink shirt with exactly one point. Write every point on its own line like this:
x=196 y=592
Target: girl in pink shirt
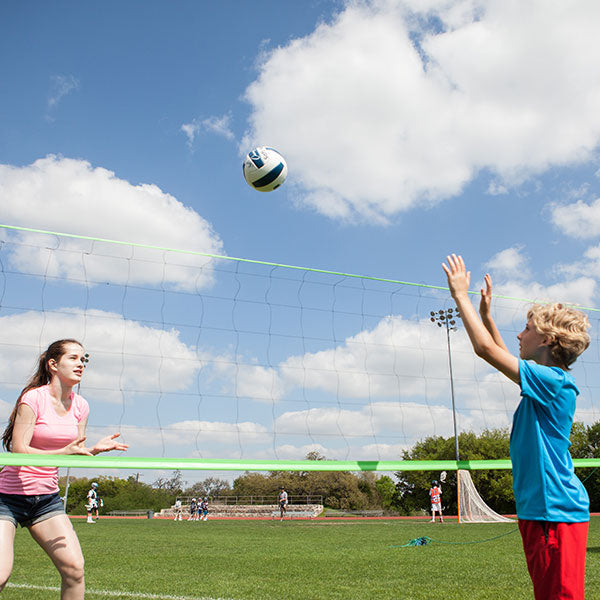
x=48 y=418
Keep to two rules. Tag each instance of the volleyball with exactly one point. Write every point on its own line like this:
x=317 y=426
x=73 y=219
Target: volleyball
x=264 y=169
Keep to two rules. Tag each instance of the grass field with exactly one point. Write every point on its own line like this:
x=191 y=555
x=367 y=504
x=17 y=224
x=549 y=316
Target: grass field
x=293 y=560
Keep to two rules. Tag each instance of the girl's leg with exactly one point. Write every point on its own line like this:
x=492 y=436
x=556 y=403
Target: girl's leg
x=59 y=540
x=7 y=541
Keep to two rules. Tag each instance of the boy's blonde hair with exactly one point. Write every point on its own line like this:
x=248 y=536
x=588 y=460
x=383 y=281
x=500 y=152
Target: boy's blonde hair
x=565 y=327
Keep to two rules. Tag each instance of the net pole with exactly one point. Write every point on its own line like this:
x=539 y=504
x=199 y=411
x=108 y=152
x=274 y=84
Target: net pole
x=458 y=495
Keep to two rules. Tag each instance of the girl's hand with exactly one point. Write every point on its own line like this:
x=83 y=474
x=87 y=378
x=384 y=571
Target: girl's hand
x=458 y=276
x=106 y=444
x=485 y=303
x=77 y=447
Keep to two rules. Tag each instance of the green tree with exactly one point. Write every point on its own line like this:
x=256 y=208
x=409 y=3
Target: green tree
x=174 y=484
x=255 y=484
x=585 y=443
x=494 y=486
x=211 y=486
x=386 y=490
x=338 y=489
x=116 y=494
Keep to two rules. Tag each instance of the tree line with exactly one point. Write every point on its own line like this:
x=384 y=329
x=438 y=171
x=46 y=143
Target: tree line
x=406 y=494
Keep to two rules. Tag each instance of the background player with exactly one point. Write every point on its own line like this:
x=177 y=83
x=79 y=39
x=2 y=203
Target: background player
x=193 y=510
x=283 y=502
x=178 y=510
x=92 y=502
x=204 y=509
x=435 y=495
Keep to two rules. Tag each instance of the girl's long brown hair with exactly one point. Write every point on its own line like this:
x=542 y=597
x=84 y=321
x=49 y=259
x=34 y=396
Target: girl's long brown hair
x=41 y=377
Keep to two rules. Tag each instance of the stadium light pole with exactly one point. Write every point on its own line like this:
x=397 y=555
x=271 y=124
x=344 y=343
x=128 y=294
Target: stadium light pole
x=447 y=318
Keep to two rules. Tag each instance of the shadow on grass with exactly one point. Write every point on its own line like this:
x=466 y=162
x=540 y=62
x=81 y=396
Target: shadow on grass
x=594 y=550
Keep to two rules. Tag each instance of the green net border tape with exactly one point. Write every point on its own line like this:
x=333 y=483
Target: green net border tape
x=125 y=462
x=261 y=262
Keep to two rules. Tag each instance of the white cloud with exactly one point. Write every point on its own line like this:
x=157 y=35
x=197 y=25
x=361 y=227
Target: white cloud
x=589 y=416
x=70 y=196
x=394 y=381
x=579 y=219
x=367 y=421
x=352 y=452
x=259 y=383
x=397 y=358
x=404 y=422
x=218 y=125
x=510 y=263
x=292 y=452
x=123 y=354
x=511 y=276
x=579 y=291
x=378 y=110
x=497 y=189
x=586 y=268
x=5 y=410
x=244 y=379
x=62 y=85
x=212 y=436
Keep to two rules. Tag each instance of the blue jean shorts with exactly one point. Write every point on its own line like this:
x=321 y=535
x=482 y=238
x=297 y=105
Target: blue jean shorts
x=29 y=510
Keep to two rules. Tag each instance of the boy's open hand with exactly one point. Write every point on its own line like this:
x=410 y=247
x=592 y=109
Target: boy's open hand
x=458 y=276
x=486 y=297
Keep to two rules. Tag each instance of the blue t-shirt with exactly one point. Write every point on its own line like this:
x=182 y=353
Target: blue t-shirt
x=544 y=481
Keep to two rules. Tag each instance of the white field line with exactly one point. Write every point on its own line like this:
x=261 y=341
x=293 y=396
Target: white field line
x=111 y=593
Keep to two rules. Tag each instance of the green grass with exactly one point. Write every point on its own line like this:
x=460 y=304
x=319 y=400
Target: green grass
x=295 y=560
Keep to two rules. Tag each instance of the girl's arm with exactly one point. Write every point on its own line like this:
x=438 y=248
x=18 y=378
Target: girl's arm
x=23 y=432
x=106 y=444
x=483 y=343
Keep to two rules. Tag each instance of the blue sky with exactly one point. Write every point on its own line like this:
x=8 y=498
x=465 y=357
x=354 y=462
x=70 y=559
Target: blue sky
x=411 y=129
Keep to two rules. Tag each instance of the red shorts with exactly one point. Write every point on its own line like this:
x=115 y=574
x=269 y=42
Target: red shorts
x=555 y=554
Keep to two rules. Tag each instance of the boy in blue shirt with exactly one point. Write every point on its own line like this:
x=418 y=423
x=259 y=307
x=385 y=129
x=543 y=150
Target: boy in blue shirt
x=552 y=504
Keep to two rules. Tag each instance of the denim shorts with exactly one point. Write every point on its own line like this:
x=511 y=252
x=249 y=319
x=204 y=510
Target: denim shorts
x=29 y=510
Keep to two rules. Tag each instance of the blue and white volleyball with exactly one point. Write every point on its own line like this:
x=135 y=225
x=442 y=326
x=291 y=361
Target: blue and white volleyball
x=264 y=169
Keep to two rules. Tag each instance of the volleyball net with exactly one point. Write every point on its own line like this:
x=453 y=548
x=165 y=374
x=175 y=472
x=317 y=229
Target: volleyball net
x=218 y=363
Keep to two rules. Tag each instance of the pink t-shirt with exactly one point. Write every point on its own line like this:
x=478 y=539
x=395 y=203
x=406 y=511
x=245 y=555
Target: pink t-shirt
x=51 y=432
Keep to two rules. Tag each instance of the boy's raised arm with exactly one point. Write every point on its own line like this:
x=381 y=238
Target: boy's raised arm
x=485 y=312
x=482 y=340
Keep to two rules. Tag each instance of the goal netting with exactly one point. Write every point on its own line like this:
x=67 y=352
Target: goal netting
x=472 y=508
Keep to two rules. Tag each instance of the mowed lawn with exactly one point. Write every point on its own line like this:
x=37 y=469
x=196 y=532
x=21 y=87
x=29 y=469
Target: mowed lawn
x=293 y=560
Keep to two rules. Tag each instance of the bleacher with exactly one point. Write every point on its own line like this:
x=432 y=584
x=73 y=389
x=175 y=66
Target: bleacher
x=248 y=511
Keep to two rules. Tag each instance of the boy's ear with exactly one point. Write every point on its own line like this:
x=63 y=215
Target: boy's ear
x=549 y=340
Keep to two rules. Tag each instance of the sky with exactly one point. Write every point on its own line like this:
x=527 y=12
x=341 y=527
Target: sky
x=411 y=129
